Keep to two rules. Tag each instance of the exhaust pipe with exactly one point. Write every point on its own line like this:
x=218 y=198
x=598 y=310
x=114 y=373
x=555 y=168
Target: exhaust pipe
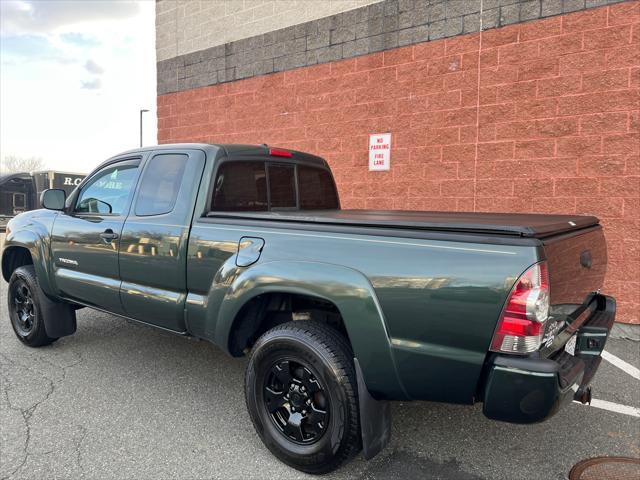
x=583 y=395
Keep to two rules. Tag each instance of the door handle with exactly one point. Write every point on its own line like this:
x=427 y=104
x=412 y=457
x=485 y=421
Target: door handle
x=108 y=235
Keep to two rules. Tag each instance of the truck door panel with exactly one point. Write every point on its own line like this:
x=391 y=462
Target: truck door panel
x=155 y=236
x=85 y=240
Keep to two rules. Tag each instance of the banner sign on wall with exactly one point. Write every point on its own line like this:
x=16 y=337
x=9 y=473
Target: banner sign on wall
x=379 y=151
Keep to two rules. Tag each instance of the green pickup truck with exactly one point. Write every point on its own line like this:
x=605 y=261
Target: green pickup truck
x=339 y=311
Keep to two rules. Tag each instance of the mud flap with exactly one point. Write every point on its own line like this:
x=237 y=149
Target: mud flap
x=59 y=318
x=375 y=418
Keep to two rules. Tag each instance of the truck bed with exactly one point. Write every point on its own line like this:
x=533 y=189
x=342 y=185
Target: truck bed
x=513 y=224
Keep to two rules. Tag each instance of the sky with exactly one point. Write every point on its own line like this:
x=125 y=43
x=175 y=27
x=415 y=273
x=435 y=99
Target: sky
x=74 y=75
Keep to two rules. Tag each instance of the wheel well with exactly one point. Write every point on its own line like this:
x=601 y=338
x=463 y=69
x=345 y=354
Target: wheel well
x=266 y=311
x=13 y=258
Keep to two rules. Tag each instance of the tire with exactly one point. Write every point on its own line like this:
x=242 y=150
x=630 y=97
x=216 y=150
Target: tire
x=26 y=309
x=301 y=393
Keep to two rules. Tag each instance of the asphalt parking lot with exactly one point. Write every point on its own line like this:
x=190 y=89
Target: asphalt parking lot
x=119 y=400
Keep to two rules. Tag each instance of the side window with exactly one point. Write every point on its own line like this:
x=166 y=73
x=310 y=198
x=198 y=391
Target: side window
x=19 y=200
x=240 y=186
x=160 y=184
x=282 y=186
x=108 y=191
x=316 y=189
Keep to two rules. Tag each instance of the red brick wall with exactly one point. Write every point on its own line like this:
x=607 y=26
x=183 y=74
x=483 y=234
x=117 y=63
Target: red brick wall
x=535 y=117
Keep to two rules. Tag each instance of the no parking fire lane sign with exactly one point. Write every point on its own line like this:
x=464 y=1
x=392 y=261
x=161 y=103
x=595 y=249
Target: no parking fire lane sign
x=380 y=151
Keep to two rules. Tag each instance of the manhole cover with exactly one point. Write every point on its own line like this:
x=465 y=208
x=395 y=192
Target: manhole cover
x=606 y=468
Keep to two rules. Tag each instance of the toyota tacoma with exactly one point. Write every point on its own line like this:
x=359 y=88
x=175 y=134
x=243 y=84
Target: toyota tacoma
x=339 y=311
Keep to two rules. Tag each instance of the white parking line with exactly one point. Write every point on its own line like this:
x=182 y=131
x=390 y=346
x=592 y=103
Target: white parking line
x=621 y=364
x=613 y=407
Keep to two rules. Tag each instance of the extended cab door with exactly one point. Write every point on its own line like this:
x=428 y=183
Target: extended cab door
x=153 y=248
x=85 y=239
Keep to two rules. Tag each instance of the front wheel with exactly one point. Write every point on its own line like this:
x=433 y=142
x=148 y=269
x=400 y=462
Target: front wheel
x=301 y=393
x=25 y=308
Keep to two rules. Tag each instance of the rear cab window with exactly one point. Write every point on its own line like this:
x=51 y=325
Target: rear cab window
x=316 y=189
x=282 y=187
x=260 y=186
x=240 y=187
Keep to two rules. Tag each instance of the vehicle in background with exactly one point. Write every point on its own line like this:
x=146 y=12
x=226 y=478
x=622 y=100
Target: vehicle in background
x=20 y=192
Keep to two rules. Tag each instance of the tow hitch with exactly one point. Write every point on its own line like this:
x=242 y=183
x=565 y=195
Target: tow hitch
x=583 y=395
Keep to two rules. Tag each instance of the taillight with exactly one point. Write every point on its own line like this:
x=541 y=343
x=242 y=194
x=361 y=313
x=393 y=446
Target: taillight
x=522 y=324
x=278 y=152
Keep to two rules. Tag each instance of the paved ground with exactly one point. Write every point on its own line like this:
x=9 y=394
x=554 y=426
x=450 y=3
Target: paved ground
x=119 y=400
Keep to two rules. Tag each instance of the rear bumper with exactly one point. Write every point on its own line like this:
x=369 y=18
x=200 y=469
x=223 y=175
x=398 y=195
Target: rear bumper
x=532 y=389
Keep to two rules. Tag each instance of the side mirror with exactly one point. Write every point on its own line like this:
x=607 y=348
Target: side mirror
x=53 y=199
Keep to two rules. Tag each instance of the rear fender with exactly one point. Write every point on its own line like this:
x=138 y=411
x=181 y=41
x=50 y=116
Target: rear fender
x=348 y=289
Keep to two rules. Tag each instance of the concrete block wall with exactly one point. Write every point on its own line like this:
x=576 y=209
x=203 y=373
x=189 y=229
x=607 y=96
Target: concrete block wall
x=185 y=26
x=373 y=28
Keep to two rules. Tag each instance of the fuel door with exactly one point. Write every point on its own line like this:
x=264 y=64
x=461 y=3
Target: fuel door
x=249 y=250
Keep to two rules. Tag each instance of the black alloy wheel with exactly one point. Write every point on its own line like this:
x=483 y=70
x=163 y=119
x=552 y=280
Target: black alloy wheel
x=27 y=306
x=296 y=402
x=302 y=395
x=23 y=308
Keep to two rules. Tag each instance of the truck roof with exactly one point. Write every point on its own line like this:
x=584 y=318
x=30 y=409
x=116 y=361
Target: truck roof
x=235 y=151
x=513 y=224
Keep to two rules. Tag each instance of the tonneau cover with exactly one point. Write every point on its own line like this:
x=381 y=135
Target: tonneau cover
x=515 y=224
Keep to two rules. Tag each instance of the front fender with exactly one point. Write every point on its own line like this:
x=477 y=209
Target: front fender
x=34 y=236
x=349 y=290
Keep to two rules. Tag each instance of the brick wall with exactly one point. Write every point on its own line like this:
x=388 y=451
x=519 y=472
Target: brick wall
x=534 y=117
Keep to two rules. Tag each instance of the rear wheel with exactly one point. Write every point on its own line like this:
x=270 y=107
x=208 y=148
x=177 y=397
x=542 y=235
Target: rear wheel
x=301 y=393
x=25 y=308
